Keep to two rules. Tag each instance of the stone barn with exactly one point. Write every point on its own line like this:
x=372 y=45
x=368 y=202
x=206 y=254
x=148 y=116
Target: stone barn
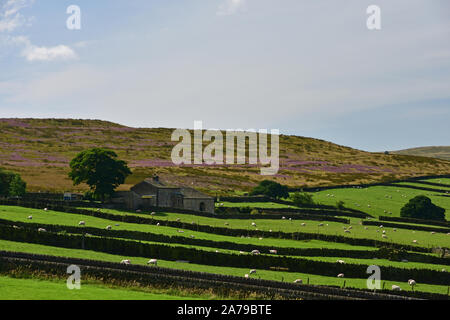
x=153 y=193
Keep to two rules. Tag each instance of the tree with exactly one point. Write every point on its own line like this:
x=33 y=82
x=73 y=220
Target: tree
x=6 y=179
x=100 y=170
x=271 y=189
x=421 y=207
x=17 y=187
x=302 y=199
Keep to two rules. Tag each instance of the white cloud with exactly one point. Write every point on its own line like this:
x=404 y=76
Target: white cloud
x=60 y=52
x=10 y=17
x=230 y=7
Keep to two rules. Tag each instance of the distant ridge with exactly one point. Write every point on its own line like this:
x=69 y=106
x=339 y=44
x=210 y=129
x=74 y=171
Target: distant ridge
x=440 y=152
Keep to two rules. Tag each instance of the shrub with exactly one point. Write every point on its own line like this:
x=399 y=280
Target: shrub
x=302 y=199
x=421 y=207
x=271 y=189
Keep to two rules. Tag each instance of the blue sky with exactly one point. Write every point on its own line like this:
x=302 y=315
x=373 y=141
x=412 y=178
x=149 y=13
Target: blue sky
x=309 y=68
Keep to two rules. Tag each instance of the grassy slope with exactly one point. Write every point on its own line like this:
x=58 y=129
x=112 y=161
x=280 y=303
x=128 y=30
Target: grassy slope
x=333 y=228
x=39 y=289
x=41 y=150
x=376 y=197
x=263 y=274
x=434 y=152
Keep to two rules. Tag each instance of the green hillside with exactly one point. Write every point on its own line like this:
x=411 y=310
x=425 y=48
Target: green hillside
x=41 y=149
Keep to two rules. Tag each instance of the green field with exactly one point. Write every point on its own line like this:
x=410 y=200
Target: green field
x=263 y=274
x=379 y=198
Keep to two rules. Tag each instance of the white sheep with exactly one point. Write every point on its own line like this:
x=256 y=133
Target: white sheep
x=284 y=218
x=303 y=224
x=180 y=231
x=246 y=276
x=192 y=236
x=414 y=241
x=298 y=281
x=30 y=217
x=153 y=213
x=157 y=224
x=81 y=223
x=412 y=283
x=384 y=236
x=340 y=275
x=273 y=251
x=241 y=252
x=108 y=228
x=45 y=209
x=125 y=262
x=384 y=231
x=340 y=261
x=396 y=288
x=252 y=271
x=253 y=224
x=42 y=230
x=255 y=252
x=152 y=262
x=178 y=220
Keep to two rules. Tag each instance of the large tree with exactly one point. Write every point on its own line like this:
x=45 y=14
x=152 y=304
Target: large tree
x=11 y=184
x=100 y=170
x=421 y=207
x=271 y=189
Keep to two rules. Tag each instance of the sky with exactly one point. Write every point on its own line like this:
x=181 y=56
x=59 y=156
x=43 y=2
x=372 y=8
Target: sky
x=308 y=68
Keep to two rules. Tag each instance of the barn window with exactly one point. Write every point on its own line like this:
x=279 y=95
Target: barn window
x=202 y=206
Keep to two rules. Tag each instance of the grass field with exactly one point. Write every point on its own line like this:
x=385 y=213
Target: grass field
x=42 y=289
x=333 y=228
x=263 y=274
x=379 y=198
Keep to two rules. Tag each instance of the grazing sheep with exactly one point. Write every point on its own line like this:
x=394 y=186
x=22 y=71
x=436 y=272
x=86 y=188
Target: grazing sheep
x=30 y=217
x=241 y=252
x=303 y=224
x=246 y=276
x=432 y=232
x=412 y=283
x=347 y=231
x=138 y=211
x=384 y=231
x=298 y=281
x=192 y=236
x=98 y=210
x=284 y=218
x=81 y=223
x=384 y=236
x=443 y=270
x=178 y=220
x=365 y=228
x=108 y=228
x=253 y=224
x=42 y=230
x=395 y=230
x=350 y=227
x=157 y=224
x=152 y=262
x=88 y=235
x=255 y=252
x=414 y=241
x=153 y=213
x=381 y=226
x=180 y=231
x=125 y=262
x=273 y=251
x=260 y=238
x=45 y=209
x=252 y=271
x=227 y=224
x=340 y=261
x=404 y=260
x=270 y=230
x=340 y=275
x=217 y=251
x=396 y=288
